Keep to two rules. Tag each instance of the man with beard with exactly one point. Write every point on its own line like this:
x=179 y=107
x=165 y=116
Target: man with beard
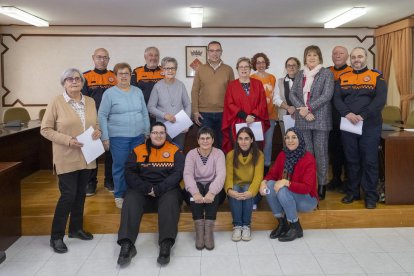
x=360 y=95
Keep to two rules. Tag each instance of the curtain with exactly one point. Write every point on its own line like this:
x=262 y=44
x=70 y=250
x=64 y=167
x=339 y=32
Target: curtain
x=398 y=47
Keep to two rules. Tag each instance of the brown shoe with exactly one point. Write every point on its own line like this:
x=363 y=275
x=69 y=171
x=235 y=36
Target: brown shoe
x=199 y=230
x=209 y=234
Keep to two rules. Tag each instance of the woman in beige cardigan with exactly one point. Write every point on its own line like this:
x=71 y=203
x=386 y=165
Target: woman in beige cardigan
x=67 y=116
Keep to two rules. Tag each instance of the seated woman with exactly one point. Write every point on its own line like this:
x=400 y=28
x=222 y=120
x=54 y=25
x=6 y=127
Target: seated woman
x=204 y=175
x=290 y=186
x=153 y=173
x=244 y=167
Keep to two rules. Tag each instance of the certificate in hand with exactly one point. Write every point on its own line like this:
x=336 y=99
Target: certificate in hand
x=182 y=122
x=256 y=127
x=91 y=149
x=346 y=125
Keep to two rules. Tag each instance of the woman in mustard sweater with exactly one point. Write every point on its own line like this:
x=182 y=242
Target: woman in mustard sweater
x=244 y=167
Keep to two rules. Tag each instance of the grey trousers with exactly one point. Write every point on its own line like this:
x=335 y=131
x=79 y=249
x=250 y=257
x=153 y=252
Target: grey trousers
x=317 y=144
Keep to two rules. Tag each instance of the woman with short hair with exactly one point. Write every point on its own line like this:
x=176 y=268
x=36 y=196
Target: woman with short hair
x=124 y=120
x=168 y=97
x=67 y=116
x=311 y=94
x=204 y=175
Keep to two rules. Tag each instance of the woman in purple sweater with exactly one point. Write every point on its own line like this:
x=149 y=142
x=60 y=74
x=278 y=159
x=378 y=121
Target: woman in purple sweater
x=204 y=175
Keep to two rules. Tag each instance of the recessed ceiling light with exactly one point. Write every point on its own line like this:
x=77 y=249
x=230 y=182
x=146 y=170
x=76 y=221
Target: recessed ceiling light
x=196 y=17
x=24 y=16
x=346 y=17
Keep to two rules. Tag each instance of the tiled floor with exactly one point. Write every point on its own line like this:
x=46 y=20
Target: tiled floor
x=375 y=251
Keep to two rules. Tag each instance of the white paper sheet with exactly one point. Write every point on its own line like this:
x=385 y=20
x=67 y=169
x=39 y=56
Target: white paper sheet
x=182 y=122
x=91 y=149
x=256 y=127
x=288 y=121
x=346 y=125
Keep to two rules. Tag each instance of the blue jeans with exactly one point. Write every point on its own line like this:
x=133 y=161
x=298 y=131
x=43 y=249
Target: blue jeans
x=120 y=148
x=287 y=202
x=241 y=210
x=268 y=138
x=213 y=120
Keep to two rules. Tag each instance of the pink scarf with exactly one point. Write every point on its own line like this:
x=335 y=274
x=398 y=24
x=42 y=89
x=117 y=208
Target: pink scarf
x=309 y=77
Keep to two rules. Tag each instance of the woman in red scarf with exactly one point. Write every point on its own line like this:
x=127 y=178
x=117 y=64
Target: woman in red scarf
x=245 y=102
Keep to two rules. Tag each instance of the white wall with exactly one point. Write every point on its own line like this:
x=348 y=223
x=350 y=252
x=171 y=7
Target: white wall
x=33 y=63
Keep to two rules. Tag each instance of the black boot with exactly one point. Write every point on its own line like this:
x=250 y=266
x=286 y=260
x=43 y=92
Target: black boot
x=281 y=229
x=294 y=232
x=321 y=192
x=165 y=251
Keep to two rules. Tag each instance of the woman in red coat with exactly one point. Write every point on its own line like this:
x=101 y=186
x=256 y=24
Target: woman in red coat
x=290 y=186
x=245 y=102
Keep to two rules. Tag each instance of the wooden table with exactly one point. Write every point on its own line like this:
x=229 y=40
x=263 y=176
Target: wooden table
x=399 y=167
x=10 y=207
x=25 y=144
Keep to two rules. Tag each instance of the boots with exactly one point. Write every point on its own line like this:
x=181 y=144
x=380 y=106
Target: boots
x=281 y=229
x=208 y=234
x=294 y=232
x=199 y=229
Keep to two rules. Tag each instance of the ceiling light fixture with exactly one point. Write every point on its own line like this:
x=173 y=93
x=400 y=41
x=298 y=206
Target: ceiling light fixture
x=24 y=16
x=196 y=17
x=346 y=17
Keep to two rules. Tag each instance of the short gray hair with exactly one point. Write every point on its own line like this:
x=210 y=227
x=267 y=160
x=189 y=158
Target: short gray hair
x=152 y=48
x=69 y=73
x=361 y=48
x=165 y=60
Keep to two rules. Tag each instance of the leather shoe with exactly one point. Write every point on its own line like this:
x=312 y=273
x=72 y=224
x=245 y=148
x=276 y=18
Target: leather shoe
x=321 y=192
x=81 y=234
x=370 y=205
x=128 y=251
x=58 y=246
x=165 y=251
x=348 y=199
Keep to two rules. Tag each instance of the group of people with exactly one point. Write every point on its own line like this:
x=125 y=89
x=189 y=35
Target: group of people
x=144 y=167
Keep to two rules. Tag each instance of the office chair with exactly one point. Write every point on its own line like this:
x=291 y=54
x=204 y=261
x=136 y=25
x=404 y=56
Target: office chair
x=391 y=114
x=16 y=113
x=42 y=113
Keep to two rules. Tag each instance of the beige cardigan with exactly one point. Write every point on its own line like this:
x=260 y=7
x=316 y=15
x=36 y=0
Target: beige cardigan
x=60 y=123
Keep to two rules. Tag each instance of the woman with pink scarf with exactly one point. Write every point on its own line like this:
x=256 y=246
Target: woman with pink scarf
x=311 y=94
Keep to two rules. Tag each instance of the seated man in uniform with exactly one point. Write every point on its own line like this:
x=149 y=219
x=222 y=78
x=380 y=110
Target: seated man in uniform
x=153 y=172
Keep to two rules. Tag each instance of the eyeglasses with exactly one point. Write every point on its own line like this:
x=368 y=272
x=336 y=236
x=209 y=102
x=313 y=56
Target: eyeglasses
x=102 y=57
x=291 y=66
x=156 y=133
x=123 y=74
x=170 y=68
x=244 y=67
x=215 y=51
x=260 y=62
x=76 y=79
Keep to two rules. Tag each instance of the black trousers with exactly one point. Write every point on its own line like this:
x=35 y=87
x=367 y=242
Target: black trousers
x=72 y=188
x=108 y=170
x=168 y=206
x=205 y=210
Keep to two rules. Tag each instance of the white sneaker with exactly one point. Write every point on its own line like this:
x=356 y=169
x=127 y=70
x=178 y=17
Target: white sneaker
x=237 y=233
x=246 y=235
x=118 y=202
